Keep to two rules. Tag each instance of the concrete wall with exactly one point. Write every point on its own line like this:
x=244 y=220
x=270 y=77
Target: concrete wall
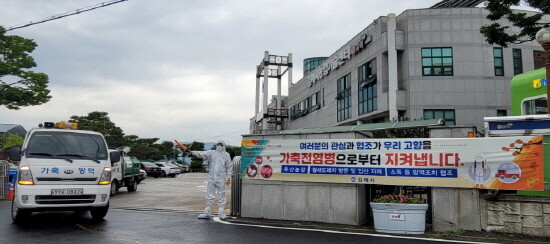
x=304 y=201
x=454 y=208
x=516 y=214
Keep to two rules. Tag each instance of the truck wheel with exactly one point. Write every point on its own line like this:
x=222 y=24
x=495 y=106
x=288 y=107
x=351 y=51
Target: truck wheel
x=133 y=187
x=114 y=187
x=100 y=212
x=19 y=215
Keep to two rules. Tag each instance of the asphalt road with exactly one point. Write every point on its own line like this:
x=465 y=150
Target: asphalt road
x=163 y=210
x=131 y=226
x=183 y=193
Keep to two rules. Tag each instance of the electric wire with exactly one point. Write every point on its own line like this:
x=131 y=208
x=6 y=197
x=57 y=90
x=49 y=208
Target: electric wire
x=66 y=14
x=228 y=133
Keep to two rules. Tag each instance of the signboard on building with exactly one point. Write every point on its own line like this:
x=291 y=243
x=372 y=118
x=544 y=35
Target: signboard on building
x=338 y=59
x=511 y=163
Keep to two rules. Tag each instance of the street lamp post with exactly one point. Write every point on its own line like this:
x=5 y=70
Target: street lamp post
x=543 y=38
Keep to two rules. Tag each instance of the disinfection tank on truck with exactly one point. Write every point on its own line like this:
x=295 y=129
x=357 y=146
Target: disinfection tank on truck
x=62 y=168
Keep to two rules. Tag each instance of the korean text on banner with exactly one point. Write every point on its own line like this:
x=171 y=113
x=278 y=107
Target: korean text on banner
x=511 y=163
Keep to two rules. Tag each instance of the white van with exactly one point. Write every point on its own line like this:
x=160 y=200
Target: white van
x=62 y=169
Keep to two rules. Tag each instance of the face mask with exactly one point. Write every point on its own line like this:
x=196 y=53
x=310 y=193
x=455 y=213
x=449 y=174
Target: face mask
x=219 y=148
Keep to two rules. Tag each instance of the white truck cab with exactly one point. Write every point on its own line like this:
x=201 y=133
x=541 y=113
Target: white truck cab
x=62 y=169
x=125 y=173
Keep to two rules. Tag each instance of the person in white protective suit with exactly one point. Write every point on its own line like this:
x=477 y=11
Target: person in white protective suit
x=219 y=173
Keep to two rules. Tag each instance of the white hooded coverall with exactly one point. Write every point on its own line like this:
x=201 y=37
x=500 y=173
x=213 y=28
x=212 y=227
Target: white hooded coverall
x=220 y=170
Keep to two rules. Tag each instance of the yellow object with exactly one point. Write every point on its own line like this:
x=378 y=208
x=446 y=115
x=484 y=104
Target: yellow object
x=60 y=125
x=25 y=176
x=67 y=125
x=537 y=84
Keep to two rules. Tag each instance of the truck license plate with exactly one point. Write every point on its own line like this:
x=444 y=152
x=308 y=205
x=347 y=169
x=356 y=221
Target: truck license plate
x=72 y=191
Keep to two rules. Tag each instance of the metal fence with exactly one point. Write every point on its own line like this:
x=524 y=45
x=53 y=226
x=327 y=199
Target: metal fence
x=4 y=176
x=236 y=187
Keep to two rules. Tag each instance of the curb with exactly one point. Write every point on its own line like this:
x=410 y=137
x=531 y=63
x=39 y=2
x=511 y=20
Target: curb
x=465 y=236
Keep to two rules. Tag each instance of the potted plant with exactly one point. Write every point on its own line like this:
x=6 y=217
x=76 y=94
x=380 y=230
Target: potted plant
x=399 y=214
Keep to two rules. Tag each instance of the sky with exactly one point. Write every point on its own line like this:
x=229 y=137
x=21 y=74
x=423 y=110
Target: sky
x=176 y=69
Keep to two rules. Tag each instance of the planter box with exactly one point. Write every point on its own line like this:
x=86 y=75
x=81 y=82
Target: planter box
x=399 y=218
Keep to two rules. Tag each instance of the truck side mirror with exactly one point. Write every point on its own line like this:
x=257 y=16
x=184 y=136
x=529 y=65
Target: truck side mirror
x=115 y=157
x=14 y=154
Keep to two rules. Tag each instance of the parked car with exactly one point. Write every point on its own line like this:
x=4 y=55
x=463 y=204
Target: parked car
x=142 y=174
x=168 y=169
x=151 y=169
x=184 y=168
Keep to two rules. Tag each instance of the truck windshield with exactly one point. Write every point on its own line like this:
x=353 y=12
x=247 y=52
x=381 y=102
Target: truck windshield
x=66 y=144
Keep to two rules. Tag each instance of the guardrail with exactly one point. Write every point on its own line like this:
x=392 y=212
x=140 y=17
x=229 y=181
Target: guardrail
x=4 y=176
x=236 y=187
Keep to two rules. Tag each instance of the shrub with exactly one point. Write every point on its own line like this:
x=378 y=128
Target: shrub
x=394 y=198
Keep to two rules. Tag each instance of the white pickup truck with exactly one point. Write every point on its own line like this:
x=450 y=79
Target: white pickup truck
x=62 y=170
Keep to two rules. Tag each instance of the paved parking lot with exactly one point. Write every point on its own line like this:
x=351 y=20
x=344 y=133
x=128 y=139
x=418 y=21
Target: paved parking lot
x=184 y=193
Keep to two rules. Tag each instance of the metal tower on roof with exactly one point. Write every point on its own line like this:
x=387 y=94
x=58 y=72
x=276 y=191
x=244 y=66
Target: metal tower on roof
x=271 y=67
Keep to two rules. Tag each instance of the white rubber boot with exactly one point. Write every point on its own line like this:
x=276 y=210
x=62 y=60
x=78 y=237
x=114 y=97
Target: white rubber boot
x=222 y=214
x=206 y=214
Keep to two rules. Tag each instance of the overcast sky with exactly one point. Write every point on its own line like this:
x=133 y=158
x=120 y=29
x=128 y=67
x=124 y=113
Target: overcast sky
x=176 y=69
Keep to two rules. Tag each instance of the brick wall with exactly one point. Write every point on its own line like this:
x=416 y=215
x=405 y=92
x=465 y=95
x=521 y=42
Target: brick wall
x=517 y=214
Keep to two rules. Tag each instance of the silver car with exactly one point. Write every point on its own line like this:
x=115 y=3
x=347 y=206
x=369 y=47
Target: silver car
x=168 y=169
x=183 y=167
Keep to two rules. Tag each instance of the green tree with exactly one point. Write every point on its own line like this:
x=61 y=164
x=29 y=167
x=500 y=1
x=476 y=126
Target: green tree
x=402 y=133
x=100 y=122
x=528 y=24
x=196 y=166
x=166 y=148
x=20 y=87
x=196 y=146
x=143 y=148
x=232 y=150
x=196 y=163
x=11 y=140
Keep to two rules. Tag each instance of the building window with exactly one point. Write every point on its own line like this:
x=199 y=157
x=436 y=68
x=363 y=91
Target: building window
x=501 y=113
x=499 y=61
x=323 y=97
x=311 y=63
x=314 y=102
x=447 y=114
x=344 y=98
x=437 y=61
x=534 y=106
x=305 y=106
x=368 y=89
x=518 y=65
